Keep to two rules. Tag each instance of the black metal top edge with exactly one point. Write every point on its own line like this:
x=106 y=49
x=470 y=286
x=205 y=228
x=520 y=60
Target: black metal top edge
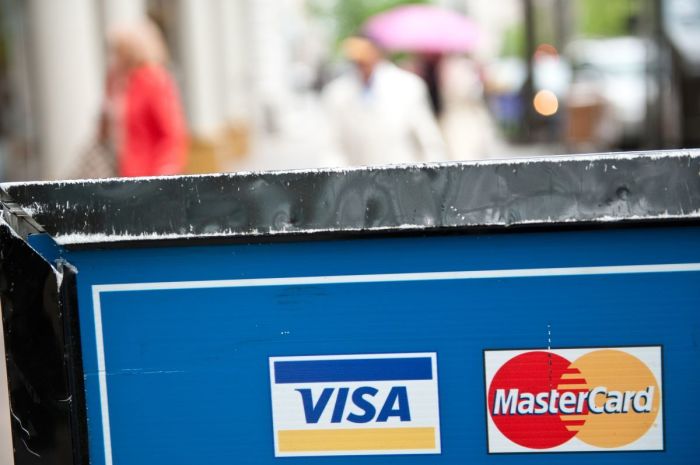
x=548 y=191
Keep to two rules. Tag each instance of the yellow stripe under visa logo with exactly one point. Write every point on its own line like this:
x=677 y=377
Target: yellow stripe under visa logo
x=356 y=439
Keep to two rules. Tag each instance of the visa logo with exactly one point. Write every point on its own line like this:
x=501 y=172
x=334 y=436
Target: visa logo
x=355 y=404
x=395 y=405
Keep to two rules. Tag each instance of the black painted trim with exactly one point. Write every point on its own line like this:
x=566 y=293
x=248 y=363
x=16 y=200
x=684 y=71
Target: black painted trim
x=419 y=199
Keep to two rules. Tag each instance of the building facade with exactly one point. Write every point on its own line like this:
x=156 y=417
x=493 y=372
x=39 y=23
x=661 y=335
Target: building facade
x=230 y=58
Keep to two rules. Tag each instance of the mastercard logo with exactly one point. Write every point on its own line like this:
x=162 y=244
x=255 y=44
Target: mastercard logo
x=574 y=400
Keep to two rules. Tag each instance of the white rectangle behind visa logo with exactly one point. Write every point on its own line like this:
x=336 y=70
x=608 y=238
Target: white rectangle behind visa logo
x=369 y=404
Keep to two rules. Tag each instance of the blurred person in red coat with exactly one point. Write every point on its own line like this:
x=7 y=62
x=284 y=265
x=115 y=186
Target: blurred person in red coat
x=142 y=118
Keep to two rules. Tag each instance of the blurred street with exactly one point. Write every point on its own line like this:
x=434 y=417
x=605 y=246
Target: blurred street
x=505 y=79
x=304 y=146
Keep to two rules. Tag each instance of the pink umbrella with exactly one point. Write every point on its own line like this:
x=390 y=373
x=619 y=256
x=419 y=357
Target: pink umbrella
x=422 y=28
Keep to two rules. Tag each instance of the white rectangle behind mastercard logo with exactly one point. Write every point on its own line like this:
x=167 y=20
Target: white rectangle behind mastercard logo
x=574 y=400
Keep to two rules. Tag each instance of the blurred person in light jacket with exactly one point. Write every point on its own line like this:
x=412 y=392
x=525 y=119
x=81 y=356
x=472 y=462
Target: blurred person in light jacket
x=142 y=116
x=379 y=113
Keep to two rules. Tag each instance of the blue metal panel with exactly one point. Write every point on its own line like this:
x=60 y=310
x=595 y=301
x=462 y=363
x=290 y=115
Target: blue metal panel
x=186 y=365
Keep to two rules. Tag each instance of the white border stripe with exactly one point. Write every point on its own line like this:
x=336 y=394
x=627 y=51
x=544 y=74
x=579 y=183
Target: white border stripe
x=392 y=277
x=341 y=279
x=102 y=375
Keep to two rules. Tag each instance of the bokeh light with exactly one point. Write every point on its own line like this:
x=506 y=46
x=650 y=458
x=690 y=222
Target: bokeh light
x=546 y=103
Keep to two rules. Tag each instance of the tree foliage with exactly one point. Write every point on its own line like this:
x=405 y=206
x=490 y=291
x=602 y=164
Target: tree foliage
x=607 y=18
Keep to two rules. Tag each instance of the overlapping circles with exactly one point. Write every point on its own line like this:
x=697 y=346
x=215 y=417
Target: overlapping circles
x=606 y=398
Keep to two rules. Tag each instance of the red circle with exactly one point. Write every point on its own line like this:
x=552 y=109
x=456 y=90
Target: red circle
x=531 y=372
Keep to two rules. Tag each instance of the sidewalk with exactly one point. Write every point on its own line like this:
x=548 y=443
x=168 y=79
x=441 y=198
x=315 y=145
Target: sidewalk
x=304 y=141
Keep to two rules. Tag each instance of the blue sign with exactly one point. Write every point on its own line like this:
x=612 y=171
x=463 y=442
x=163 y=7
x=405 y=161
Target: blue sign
x=374 y=351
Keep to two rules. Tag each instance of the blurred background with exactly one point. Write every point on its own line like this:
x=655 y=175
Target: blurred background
x=529 y=77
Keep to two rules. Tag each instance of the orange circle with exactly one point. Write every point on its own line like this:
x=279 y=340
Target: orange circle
x=629 y=387
x=546 y=103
